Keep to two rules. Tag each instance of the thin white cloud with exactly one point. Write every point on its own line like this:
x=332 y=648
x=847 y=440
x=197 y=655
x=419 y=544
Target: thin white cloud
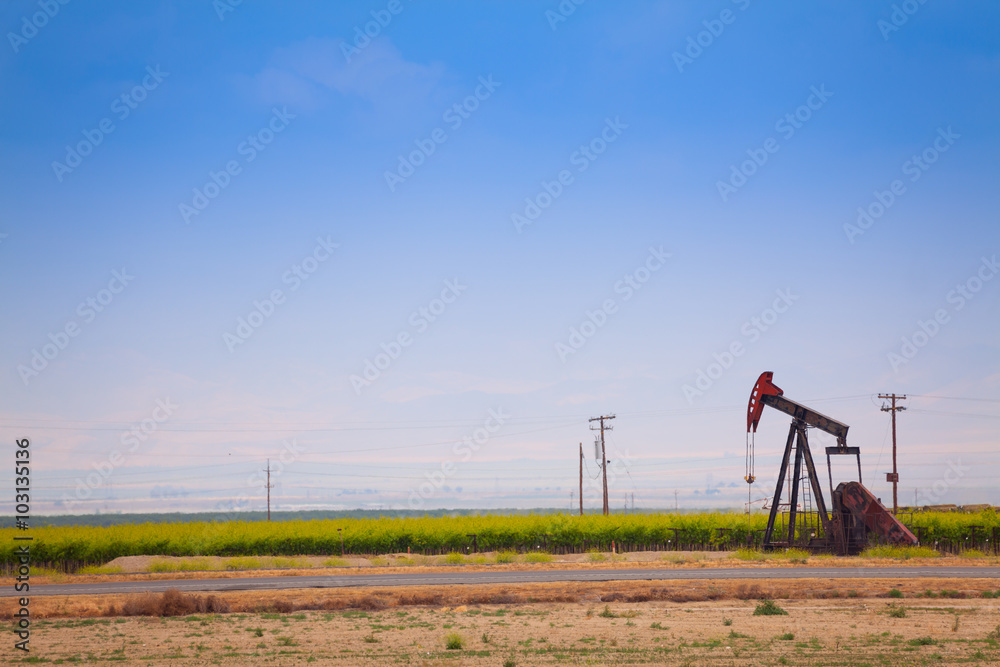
x=304 y=72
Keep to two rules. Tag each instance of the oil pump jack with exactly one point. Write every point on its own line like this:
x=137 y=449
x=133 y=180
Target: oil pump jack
x=857 y=516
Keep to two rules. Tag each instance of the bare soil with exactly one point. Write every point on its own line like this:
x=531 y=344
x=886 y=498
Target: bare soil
x=838 y=631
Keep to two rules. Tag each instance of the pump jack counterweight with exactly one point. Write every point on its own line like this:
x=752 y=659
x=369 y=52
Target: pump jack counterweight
x=856 y=514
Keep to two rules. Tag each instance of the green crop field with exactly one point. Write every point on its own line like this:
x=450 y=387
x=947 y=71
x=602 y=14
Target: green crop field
x=545 y=532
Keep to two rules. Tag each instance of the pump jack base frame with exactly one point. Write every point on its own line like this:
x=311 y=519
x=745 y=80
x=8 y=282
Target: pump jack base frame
x=832 y=531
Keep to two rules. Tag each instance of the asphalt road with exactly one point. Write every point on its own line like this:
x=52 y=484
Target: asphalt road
x=512 y=577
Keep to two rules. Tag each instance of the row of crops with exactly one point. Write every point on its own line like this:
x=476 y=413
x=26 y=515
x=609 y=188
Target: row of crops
x=551 y=532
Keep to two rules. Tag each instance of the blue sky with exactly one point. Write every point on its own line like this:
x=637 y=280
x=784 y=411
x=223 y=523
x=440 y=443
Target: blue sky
x=696 y=168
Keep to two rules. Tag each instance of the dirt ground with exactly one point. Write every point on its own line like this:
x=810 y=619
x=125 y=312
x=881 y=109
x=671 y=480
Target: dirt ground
x=854 y=631
x=136 y=568
x=692 y=622
x=829 y=622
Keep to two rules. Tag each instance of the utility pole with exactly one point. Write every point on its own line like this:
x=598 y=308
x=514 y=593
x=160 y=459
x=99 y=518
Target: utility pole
x=269 y=487
x=604 y=457
x=894 y=475
x=581 y=479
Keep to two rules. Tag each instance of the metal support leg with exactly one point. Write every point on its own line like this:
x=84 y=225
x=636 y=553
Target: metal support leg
x=769 y=531
x=796 y=481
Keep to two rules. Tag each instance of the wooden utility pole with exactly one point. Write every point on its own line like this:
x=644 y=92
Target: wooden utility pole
x=581 y=479
x=604 y=457
x=894 y=475
x=269 y=487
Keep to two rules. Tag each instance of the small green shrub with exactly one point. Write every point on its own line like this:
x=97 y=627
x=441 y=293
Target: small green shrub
x=787 y=637
x=607 y=613
x=769 y=608
x=899 y=553
x=335 y=561
x=896 y=612
x=454 y=558
x=748 y=554
x=453 y=641
x=596 y=557
x=242 y=563
x=89 y=569
x=895 y=593
x=506 y=557
x=537 y=557
x=922 y=641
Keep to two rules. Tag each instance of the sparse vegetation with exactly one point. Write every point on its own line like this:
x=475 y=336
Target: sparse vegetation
x=896 y=611
x=537 y=557
x=899 y=553
x=453 y=641
x=769 y=608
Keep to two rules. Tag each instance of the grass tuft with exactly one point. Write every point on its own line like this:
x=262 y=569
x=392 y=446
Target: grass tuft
x=896 y=611
x=453 y=641
x=769 y=608
x=899 y=553
x=537 y=557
